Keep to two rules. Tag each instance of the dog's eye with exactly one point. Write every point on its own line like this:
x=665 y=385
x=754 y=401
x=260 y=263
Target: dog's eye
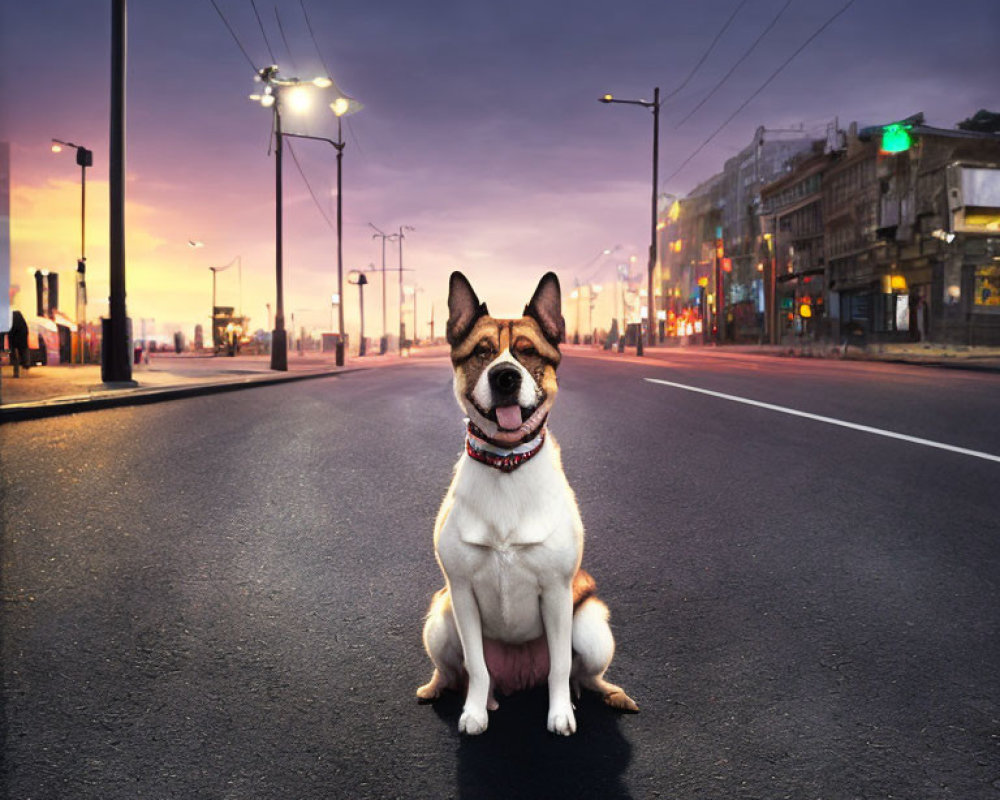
x=527 y=350
x=484 y=350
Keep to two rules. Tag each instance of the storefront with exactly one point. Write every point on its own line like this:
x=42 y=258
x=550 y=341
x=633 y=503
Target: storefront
x=801 y=300
x=984 y=322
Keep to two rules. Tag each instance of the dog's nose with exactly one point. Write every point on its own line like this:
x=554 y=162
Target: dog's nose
x=505 y=379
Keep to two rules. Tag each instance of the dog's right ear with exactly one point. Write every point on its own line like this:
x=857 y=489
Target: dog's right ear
x=464 y=308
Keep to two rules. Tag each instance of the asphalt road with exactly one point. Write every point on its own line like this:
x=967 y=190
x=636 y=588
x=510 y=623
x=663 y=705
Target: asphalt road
x=222 y=597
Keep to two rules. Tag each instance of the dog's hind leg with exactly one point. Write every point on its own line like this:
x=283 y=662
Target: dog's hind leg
x=593 y=649
x=444 y=648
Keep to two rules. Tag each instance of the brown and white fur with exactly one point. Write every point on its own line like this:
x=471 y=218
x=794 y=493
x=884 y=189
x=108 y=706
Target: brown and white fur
x=516 y=609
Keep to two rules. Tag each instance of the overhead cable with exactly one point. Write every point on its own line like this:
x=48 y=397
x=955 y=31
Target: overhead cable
x=739 y=61
x=298 y=166
x=705 y=55
x=281 y=30
x=263 y=33
x=233 y=34
x=313 y=37
x=760 y=88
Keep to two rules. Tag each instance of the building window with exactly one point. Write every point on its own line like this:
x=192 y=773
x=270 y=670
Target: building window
x=986 y=288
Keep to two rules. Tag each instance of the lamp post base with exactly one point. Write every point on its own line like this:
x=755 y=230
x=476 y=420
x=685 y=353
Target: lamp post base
x=279 y=350
x=116 y=353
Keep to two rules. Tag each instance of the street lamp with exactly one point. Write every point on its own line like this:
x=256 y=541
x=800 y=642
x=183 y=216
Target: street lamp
x=216 y=339
x=358 y=278
x=655 y=106
x=84 y=158
x=298 y=99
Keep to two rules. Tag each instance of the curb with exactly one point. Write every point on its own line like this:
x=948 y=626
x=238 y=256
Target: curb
x=971 y=364
x=968 y=365
x=41 y=409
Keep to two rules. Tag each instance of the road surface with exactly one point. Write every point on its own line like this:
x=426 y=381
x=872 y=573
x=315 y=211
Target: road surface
x=222 y=597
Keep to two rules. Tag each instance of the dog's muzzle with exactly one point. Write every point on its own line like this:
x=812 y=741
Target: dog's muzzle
x=505 y=383
x=505 y=388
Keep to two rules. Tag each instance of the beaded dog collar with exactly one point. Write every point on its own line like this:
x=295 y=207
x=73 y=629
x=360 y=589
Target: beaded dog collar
x=503 y=459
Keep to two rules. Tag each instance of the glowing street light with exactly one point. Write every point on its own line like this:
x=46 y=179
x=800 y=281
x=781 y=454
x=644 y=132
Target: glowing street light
x=357 y=278
x=340 y=106
x=84 y=158
x=655 y=106
x=299 y=100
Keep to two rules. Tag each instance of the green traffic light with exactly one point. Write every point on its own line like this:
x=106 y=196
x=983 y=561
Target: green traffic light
x=896 y=138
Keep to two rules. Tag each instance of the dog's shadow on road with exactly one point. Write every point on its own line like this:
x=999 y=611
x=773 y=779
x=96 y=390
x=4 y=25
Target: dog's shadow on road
x=518 y=757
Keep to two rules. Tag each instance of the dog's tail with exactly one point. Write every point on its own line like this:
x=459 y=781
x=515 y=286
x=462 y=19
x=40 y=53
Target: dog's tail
x=584 y=587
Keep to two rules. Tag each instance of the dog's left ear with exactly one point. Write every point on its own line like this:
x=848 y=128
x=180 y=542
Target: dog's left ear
x=546 y=308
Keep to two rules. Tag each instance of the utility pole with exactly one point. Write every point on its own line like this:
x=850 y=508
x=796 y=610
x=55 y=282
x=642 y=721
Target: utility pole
x=383 y=343
x=116 y=365
x=416 y=330
x=341 y=353
x=402 y=326
x=279 y=336
x=652 y=246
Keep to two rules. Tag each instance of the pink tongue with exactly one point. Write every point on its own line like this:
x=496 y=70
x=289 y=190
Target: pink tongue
x=509 y=417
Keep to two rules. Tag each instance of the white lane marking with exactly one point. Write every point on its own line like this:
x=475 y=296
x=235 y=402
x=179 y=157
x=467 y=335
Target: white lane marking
x=831 y=421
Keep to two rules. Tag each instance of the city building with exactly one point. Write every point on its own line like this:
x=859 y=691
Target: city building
x=715 y=233
x=912 y=216
x=885 y=233
x=791 y=247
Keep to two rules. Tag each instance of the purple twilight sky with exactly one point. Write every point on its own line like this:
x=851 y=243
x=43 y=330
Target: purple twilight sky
x=480 y=128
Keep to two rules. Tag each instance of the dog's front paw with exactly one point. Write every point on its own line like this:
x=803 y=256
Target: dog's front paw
x=562 y=721
x=473 y=722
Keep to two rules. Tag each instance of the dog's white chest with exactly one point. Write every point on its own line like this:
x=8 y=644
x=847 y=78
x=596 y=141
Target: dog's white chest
x=529 y=506
x=510 y=536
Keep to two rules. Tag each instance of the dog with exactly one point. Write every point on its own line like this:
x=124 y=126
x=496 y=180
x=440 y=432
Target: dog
x=516 y=610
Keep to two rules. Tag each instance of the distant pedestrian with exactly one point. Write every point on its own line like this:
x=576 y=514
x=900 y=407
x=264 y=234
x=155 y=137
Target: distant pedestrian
x=18 y=337
x=918 y=317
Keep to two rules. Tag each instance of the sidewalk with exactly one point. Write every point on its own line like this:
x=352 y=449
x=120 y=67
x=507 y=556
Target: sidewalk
x=919 y=353
x=51 y=390
x=48 y=391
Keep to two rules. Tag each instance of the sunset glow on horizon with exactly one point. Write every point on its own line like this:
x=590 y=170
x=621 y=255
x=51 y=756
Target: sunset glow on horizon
x=482 y=130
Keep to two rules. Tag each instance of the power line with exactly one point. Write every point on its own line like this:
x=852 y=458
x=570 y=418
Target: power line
x=233 y=33
x=270 y=52
x=732 y=69
x=715 y=41
x=281 y=30
x=298 y=166
x=759 y=89
x=354 y=137
x=326 y=71
x=312 y=36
